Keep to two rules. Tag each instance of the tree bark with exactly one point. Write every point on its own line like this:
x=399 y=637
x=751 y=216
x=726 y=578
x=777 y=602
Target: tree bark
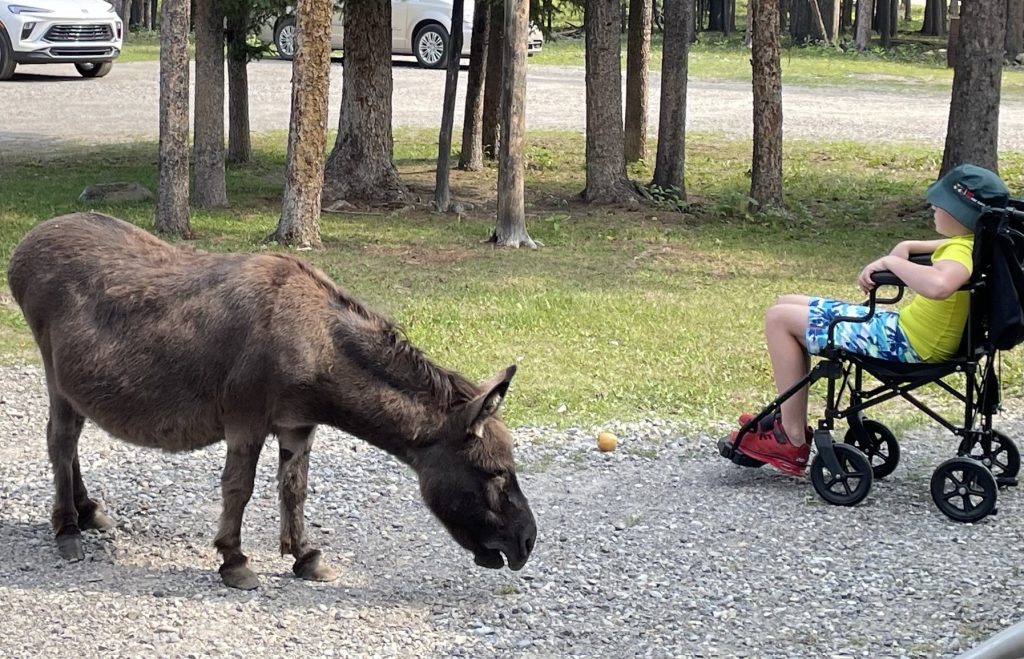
x=766 y=168
x=360 y=166
x=638 y=63
x=972 y=134
x=864 y=13
x=669 y=164
x=307 y=131
x=492 y=80
x=210 y=189
x=1014 y=29
x=606 y=161
x=471 y=157
x=510 y=228
x=172 y=212
x=442 y=190
x=239 y=140
x=934 y=18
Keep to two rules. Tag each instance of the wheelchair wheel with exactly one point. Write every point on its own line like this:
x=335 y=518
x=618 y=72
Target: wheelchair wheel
x=843 y=489
x=964 y=489
x=999 y=454
x=879 y=444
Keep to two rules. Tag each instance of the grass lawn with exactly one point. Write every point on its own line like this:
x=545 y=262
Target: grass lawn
x=622 y=315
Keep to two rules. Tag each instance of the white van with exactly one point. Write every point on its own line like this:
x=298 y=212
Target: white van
x=418 y=27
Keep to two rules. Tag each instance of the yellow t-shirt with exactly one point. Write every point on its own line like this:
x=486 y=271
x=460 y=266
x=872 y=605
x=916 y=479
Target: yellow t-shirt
x=934 y=327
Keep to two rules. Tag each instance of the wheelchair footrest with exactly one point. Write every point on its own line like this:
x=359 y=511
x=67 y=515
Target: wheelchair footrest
x=1006 y=482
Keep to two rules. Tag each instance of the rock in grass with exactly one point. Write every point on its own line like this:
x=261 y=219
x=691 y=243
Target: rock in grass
x=116 y=192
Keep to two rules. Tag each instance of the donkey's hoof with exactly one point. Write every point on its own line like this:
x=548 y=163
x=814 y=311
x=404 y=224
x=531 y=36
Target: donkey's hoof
x=312 y=567
x=239 y=576
x=69 y=545
x=99 y=521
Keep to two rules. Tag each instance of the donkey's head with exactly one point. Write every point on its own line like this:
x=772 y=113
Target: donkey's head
x=468 y=480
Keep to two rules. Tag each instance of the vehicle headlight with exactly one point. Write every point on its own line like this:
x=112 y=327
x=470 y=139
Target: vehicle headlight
x=25 y=9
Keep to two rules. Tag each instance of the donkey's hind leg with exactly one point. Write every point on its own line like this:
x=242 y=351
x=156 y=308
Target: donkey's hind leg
x=292 y=476
x=236 y=490
x=71 y=504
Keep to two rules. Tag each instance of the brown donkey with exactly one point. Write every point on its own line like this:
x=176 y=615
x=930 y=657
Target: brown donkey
x=177 y=349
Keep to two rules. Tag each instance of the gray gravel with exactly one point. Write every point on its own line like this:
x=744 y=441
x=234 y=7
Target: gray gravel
x=124 y=106
x=658 y=549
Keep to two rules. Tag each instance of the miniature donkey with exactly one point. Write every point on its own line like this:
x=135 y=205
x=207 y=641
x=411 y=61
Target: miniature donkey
x=176 y=349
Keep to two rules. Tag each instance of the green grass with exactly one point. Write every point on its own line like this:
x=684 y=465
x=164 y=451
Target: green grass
x=622 y=315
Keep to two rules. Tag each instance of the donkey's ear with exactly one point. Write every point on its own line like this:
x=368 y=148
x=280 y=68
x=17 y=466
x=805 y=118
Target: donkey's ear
x=487 y=403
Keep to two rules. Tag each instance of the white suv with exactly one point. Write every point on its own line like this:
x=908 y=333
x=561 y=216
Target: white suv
x=418 y=27
x=86 y=33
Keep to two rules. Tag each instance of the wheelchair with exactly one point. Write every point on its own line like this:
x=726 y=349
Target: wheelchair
x=964 y=487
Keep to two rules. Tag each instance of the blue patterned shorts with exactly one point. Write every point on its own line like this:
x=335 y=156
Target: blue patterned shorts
x=880 y=337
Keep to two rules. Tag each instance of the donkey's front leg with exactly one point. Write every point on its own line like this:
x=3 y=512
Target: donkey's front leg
x=292 y=475
x=236 y=489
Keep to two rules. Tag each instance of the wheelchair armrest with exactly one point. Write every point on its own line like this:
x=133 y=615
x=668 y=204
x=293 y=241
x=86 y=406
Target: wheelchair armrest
x=887 y=278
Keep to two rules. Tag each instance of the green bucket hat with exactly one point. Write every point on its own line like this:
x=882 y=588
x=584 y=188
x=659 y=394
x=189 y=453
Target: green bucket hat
x=962 y=188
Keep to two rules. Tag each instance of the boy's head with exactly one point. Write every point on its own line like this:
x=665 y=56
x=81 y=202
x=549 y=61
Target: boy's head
x=960 y=190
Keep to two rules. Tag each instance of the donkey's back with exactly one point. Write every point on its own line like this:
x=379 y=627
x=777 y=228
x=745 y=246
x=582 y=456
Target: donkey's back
x=156 y=344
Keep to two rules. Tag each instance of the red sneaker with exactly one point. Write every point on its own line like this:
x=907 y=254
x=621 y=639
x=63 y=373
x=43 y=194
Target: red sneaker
x=766 y=424
x=773 y=446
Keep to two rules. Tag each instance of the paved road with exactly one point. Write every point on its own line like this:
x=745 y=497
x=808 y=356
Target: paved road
x=44 y=107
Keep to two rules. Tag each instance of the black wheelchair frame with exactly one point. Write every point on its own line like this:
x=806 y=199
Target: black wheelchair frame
x=964 y=487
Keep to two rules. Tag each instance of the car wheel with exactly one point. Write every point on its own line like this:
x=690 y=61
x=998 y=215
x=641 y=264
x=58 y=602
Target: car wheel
x=284 y=38
x=431 y=47
x=94 y=69
x=7 y=62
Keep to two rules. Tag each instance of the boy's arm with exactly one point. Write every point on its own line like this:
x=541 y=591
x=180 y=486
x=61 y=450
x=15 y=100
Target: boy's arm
x=908 y=247
x=937 y=281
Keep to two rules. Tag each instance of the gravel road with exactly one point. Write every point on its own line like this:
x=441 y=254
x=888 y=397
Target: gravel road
x=659 y=549
x=44 y=107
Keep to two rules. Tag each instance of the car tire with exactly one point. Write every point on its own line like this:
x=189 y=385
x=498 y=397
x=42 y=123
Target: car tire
x=93 y=69
x=284 y=38
x=7 y=63
x=431 y=47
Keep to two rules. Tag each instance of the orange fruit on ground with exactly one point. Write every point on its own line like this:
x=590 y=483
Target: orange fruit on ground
x=606 y=441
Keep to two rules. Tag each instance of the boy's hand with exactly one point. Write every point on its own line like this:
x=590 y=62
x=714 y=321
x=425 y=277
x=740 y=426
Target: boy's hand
x=864 y=280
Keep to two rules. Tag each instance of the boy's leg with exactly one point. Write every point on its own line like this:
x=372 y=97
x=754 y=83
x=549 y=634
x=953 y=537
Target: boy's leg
x=785 y=325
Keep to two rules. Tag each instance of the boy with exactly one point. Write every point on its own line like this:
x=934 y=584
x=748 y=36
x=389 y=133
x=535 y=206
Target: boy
x=926 y=330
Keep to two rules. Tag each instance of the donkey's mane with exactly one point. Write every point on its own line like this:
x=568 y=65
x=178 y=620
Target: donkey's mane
x=445 y=385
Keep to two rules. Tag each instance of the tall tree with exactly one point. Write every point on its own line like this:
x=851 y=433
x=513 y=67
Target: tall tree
x=442 y=190
x=307 y=131
x=510 y=229
x=492 y=79
x=172 y=213
x=471 y=157
x=671 y=157
x=361 y=166
x=211 y=186
x=972 y=134
x=239 y=141
x=638 y=62
x=1014 y=28
x=934 y=18
x=606 y=160
x=865 y=10
x=766 y=168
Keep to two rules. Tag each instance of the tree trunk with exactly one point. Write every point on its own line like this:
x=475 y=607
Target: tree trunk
x=239 y=140
x=307 y=131
x=800 y=22
x=360 y=167
x=669 y=164
x=172 y=212
x=606 y=161
x=766 y=168
x=492 y=80
x=638 y=62
x=864 y=13
x=442 y=191
x=510 y=229
x=972 y=135
x=846 y=21
x=883 y=14
x=907 y=11
x=153 y=13
x=471 y=157
x=716 y=16
x=210 y=190
x=934 y=18
x=819 y=23
x=1014 y=28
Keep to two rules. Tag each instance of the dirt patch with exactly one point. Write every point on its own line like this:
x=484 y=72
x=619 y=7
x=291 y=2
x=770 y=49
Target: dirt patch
x=418 y=255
